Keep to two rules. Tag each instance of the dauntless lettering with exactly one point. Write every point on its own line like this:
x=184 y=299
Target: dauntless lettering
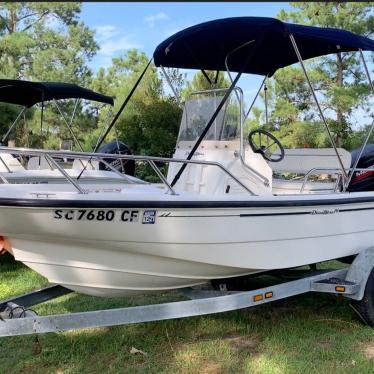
x=129 y=216
x=324 y=211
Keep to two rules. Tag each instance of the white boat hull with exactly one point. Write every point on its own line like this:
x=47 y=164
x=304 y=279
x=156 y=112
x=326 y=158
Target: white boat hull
x=184 y=246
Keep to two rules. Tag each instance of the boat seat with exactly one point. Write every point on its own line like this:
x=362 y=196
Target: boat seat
x=38 y=163
x=79 y=164
x=11 y=163
x=302 y=160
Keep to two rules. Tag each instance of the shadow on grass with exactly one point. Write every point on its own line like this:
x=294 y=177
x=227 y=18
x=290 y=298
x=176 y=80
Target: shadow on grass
x=8 y=259
x=310 y=333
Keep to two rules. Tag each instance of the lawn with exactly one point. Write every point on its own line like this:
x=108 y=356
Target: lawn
x=314 y=333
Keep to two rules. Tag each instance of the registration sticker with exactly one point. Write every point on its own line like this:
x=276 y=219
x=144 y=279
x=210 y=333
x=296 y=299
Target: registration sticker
x=149 y=217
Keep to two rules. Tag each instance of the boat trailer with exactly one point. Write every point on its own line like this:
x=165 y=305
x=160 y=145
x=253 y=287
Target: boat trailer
x=354 y=282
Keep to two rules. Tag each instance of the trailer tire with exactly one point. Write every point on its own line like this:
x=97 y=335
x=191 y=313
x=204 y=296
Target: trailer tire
x=365 y=307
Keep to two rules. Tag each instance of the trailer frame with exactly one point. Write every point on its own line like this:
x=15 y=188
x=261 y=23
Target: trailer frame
x=16 y=317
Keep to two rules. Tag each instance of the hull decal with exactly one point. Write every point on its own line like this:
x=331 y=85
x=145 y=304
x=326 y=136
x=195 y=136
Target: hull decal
x=243 y=215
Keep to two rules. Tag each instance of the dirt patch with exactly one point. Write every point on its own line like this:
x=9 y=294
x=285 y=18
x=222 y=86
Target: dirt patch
x=368 y=350
x=211 y=368
x=283 y=310
x=242 y=342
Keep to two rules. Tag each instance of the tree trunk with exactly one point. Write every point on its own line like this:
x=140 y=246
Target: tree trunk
x=12 y=26
x=339 y=113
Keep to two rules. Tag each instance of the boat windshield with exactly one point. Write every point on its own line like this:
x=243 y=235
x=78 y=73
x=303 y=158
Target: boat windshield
x=198 y=110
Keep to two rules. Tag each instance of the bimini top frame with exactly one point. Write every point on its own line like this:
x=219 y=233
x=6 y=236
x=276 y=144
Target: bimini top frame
x=28 y=94
x=257 y=45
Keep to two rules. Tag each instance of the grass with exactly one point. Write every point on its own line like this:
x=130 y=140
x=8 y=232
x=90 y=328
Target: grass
x=313 y=333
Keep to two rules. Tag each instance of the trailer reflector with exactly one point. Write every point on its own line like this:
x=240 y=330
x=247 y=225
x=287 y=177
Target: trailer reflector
x=268 y=295
x=258 y=297
x=340 y=289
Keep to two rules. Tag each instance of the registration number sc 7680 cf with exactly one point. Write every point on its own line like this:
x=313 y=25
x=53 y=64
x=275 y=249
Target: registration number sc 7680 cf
x=107 y=215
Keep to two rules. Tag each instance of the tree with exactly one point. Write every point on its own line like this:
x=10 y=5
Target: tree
x=176 y=79
x=44 y=41
x=200 y=82
x=118 y=79
x=339 y=80
x=151 y=128
x=150 y=122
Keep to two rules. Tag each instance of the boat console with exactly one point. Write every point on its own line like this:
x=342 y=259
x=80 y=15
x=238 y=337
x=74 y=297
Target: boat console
x=223 y=143
x=226 y=144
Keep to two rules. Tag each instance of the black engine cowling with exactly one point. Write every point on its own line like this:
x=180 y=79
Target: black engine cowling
x=363 y=180
x=119 y=148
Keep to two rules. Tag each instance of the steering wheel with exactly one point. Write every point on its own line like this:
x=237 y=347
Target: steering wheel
x=266 y=144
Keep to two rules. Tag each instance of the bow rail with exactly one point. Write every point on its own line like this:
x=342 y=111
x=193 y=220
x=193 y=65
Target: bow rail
x=49 y=155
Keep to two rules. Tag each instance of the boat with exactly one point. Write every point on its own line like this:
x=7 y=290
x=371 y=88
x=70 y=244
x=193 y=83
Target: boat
x=37 y=169
x=215 y=215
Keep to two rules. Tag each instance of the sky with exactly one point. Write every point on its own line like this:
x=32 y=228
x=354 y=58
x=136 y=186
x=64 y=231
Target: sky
x=121 y=26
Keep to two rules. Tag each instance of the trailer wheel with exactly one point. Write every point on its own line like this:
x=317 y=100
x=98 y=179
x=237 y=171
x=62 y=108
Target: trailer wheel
x=365 y=307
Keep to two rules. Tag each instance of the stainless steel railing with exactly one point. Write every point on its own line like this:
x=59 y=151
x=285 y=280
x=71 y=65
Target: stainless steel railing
x=50 y=155
x=336 y=171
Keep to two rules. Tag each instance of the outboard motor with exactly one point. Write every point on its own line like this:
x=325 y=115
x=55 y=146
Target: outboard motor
x=363 y=180
x=118 y=148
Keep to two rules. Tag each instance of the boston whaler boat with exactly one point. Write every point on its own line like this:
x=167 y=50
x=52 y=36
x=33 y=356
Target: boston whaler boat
x=217 y=215
x=37 y=169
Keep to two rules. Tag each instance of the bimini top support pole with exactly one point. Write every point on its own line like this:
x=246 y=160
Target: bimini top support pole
x=123 y=106
x=68 y=125
x=255 y=98
x=177 y=97
x=114 y=120
x=206 y=77
x=244 y=117
x=41 y=124
x=318 y=106
x=367 y=71
x=371 y=127
x=13 y=124
x=266 y=105
x=74 y=112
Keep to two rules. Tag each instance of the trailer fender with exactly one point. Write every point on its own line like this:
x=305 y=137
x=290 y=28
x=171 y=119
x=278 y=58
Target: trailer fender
x=360 y=270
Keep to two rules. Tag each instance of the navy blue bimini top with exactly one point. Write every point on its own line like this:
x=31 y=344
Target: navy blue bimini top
x=28 y=93
x=205 y=46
